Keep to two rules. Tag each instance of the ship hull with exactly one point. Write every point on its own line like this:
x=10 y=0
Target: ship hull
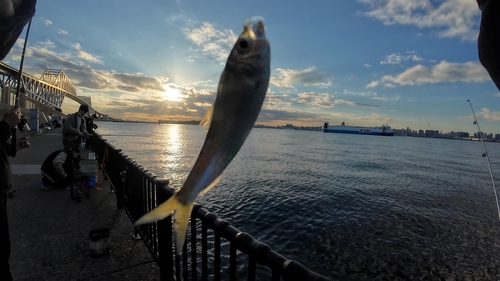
x=358 y=131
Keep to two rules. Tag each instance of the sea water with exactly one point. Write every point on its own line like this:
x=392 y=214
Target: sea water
x=350 y=207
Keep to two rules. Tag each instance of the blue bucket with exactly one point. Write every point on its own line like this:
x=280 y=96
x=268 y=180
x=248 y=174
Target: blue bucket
x=92 y=181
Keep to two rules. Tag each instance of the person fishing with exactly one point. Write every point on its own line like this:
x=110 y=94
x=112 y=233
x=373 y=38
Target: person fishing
x=74 y=129
x=89 y=122
x=58 y=169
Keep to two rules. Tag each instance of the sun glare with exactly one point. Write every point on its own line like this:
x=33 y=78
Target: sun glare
x=172 y=94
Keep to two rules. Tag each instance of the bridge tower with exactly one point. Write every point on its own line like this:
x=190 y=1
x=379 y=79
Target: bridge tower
x=48 y=91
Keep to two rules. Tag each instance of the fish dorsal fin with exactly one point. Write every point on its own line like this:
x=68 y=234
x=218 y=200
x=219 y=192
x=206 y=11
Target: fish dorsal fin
x=210 y=186
x=207 y=119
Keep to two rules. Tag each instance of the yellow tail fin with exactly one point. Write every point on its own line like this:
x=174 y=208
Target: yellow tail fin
x=181 y=218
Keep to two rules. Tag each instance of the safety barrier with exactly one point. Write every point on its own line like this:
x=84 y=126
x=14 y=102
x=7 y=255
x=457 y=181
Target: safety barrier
x=212 y=244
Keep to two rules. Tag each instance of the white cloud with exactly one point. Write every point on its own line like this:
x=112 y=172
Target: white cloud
x=277 y=100
x=397 y=58
x=453 y=18
x=205 y=83
x=392 y=59
x=367 y=65
x=216 y=43
x=60 y=31
x=325 y=100
x=385 y=99
x=48 y=44
x=373 y=84
x=490 y=115
x=88 y=57
x=441 y=72
x=373 y=117
x=371 y=95
x=47 y=22
x=309 y=77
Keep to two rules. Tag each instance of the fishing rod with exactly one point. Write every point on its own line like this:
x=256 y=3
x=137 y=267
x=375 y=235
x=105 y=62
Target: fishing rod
x=485 y=154
x=23 y=121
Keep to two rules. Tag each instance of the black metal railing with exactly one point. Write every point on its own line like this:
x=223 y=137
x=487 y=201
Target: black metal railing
x=212 y=244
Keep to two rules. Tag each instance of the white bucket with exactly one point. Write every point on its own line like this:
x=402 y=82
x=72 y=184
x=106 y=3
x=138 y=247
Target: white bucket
x=100 y=242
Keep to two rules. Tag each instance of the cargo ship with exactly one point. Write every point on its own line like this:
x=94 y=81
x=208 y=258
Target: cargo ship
x=383 y=130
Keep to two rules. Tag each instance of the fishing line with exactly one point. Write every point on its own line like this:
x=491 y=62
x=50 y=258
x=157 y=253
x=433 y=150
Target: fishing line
x=11 y=194
x=485 y=154
x=22 y=123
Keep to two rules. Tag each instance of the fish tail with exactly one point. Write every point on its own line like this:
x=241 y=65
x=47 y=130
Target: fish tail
x=181 y=218
x=164 y=210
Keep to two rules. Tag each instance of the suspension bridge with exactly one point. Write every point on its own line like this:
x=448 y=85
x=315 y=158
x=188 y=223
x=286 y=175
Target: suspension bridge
x=46 y=93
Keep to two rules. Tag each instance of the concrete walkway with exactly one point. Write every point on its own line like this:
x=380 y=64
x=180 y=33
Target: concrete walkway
x=50 y=232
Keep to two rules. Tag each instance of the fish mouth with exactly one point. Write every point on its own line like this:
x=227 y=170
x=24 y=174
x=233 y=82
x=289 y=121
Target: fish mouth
x=254 y=29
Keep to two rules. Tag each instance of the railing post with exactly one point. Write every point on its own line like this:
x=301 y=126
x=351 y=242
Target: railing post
x=118 y=177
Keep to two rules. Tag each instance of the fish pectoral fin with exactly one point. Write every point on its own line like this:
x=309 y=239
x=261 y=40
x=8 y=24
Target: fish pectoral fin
x=164 y=210
x=210 y=186
x=181 y=217
x=207 y=119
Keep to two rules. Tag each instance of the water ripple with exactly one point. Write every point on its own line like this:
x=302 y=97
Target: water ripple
x=348 y=207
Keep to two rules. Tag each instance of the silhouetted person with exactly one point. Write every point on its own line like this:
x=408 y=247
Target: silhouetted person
x=488 y=42
x=11 y=119
x=14 y=15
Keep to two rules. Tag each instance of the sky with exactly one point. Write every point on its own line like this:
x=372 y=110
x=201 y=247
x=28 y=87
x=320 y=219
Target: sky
x=406 y=63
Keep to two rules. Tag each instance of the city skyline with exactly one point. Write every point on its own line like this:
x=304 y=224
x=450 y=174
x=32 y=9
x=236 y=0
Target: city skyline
x=406 y=63
x=472 y=133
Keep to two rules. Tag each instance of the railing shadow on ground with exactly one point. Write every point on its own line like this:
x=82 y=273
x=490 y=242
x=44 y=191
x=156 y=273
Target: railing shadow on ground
x=213 y=246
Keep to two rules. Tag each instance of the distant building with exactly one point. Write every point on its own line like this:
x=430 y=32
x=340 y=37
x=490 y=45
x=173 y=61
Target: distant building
x=431 y=133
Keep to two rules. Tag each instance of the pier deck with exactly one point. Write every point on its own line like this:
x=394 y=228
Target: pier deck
x=50 y=232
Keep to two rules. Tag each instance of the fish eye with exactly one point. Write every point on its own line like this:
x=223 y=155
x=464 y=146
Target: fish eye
x=260 y=33
x=243 y=44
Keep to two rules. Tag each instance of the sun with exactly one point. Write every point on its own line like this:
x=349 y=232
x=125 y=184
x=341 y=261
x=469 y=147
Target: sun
x=172 y=94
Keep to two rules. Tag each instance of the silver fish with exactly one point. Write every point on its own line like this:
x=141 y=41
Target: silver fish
x=240 y=94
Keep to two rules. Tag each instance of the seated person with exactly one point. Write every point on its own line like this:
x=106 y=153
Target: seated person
x=58 y=169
